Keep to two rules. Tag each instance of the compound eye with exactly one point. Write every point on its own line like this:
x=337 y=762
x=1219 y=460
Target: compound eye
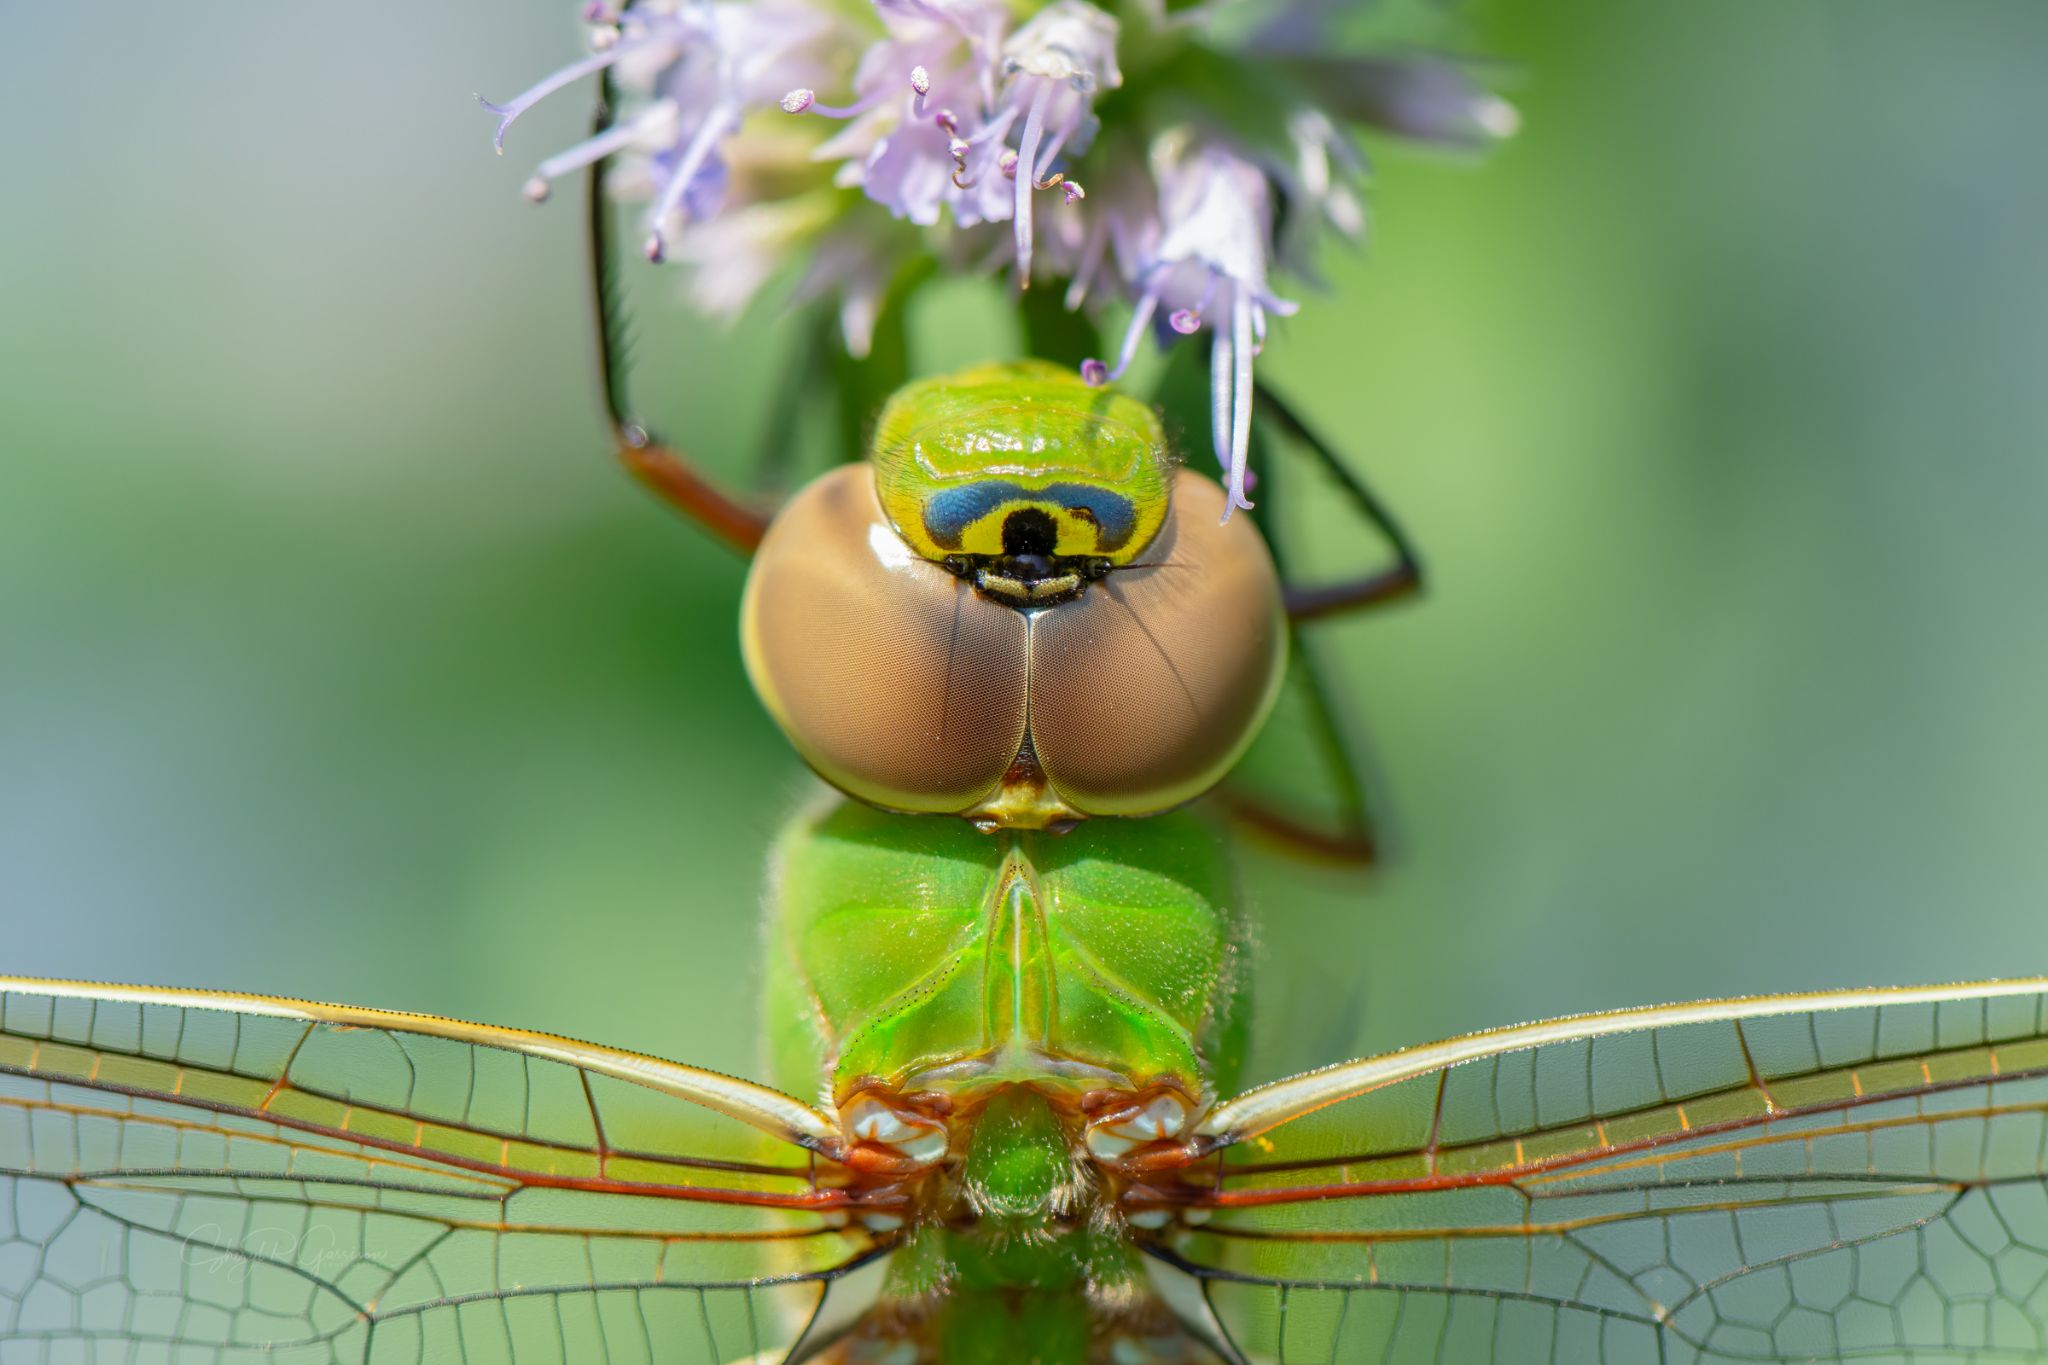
x=895 y=680
x=1146 y=689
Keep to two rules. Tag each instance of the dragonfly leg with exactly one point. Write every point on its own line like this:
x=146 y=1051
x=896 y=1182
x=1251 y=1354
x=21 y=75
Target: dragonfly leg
x=1350 y=843
x=669 y=475
x=1401 y=579
x=680 y=484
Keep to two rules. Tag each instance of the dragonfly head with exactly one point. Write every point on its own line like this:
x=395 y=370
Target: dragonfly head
x=1017 y=612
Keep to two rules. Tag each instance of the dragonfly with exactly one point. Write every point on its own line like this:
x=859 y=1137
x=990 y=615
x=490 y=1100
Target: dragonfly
x=1005 y=1007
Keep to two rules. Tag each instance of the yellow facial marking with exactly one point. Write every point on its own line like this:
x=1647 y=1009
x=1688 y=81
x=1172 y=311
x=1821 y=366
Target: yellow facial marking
x=1080 y=527
x=955 y=457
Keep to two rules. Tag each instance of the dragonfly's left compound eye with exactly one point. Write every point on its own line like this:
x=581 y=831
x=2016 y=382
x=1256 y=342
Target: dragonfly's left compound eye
x=906 y=686
x=1147 y=688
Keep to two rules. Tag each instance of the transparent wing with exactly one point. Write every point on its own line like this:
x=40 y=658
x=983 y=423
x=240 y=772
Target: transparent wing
x=196 y=1177
x=1835 y=1177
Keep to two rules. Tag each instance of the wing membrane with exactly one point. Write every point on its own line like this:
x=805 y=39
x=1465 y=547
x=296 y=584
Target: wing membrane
x=229 y=1178
x=1808 y=1178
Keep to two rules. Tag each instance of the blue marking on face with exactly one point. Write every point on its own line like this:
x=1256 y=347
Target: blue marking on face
x=949 y=512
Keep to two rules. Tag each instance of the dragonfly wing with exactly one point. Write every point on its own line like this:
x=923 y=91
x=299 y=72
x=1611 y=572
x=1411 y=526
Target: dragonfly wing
x=1854 y=1176
x=231 y=1178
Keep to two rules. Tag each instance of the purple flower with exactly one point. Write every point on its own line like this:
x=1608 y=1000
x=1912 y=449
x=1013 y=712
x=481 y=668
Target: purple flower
x=696 y=69
x=1053 y=68
x=740 y=250
x=1321 y=178
x=970 y=109
x=1427 y=98
x=935 y=56
x=1202 y=259
x=950 y=112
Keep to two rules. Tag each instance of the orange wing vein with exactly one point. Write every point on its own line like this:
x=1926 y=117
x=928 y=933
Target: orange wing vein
x=1840 y=1177
x=239 y=1178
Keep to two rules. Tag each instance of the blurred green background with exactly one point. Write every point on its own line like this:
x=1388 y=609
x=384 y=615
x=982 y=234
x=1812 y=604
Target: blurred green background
x=336 y=659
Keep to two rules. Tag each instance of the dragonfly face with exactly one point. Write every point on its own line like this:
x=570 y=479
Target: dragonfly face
x=1022 y=479
x=1016 y=612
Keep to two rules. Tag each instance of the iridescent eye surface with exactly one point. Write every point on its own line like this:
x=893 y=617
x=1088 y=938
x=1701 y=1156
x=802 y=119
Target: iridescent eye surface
x=903 y=685
x=1147 y=688
x=894 y=679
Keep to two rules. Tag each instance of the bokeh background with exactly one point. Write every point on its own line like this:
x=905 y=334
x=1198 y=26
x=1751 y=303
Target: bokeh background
x=336 y=659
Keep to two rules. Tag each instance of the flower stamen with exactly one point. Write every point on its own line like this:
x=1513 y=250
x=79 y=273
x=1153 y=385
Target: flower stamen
x=1242 y=311
x=594 y=149
x=1027 y=155
x=718 y=121
x=1141 y=317
x=803 y=100
x=544 y=87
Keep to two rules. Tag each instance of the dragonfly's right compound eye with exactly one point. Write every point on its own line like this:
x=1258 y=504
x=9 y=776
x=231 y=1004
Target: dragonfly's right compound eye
x=894 y=679
x=903 y=684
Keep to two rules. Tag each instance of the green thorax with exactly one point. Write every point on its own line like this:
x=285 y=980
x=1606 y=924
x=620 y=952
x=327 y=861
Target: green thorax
x=923 y=955
x=956 y=457
x=1033 y=1005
